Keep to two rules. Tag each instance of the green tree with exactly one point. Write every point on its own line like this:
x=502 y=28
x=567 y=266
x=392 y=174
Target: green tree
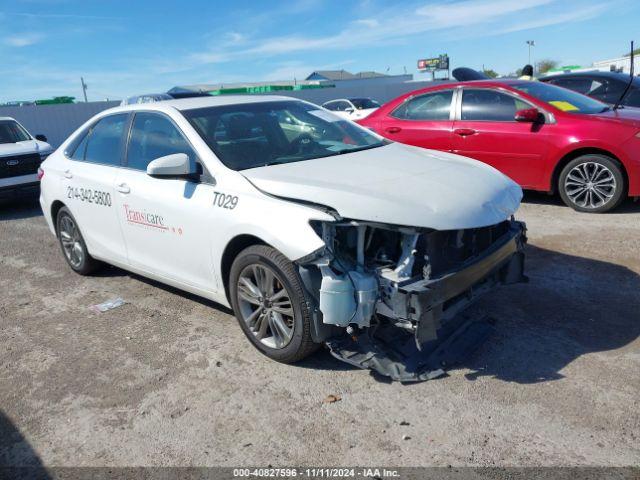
x=547 y=64
x=636 y=51
x=490 y=73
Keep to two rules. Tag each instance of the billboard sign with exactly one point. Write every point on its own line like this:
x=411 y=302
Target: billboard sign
x=434 y=64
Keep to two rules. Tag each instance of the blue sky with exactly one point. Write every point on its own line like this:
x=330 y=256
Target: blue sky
x=123 y=48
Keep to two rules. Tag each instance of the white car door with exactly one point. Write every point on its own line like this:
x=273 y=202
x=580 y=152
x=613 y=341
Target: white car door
x=167 y=222
x=88 y=186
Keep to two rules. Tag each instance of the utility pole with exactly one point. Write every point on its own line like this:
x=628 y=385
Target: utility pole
x=531 y=43
x=84 y=89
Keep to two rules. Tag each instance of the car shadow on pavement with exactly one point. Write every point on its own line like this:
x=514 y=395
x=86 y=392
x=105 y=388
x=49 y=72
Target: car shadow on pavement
x=18 y=459
x=111 y=271
x=541 y=198
x=19 y=209
x=571 y=307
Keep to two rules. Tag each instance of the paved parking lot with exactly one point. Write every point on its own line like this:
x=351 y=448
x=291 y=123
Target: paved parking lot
x=169 y=379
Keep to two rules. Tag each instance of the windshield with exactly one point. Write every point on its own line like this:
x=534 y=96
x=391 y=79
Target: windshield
x=364 y=103
x=12 y=132
x=563 y=99
x=253 y=135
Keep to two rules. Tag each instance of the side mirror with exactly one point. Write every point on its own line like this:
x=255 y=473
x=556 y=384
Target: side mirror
x=174 y=165
x=41 y=137
x=529 y=115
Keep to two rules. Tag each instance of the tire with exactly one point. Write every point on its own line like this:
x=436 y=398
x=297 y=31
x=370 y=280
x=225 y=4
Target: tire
x=74 y=249
x=261 y=319
x=592 y=183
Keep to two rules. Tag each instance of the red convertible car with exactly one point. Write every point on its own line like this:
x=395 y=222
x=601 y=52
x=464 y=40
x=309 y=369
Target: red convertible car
x=544 y=137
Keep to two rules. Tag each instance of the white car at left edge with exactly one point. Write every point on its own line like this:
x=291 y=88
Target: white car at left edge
x=20 y=157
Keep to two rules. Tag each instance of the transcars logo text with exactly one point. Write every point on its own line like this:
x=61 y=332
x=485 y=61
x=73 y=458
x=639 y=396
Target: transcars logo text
x=145 y=218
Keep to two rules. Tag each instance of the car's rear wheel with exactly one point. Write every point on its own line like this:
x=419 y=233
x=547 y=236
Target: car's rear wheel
x=72 y=244
x=270 y=304
x=592 y=183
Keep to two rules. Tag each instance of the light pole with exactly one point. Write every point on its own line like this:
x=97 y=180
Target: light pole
x=531 y=43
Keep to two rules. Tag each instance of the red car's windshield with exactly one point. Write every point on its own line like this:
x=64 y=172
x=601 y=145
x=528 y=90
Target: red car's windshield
x=561 y=98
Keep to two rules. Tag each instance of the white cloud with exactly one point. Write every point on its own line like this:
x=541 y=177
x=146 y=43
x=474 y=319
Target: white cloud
x=568 y=17
x=58 y=16
x=473 y=12
x=234 y=38
x=23 y=40
x=367 y=22
x=398 y=24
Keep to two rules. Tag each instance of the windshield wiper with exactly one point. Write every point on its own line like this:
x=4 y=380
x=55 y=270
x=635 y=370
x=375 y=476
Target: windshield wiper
x=275 y=162
x=357 y=149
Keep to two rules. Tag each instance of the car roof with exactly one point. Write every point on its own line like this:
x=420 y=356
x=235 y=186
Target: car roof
x=7 y=118
x=474 y=83
x=592 y=74
x=183 y=104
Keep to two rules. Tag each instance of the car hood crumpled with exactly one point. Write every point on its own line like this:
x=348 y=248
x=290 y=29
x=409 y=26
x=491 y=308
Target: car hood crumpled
x=397 y=184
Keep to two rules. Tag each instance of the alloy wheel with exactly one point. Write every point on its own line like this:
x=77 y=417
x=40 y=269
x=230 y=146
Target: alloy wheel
x=265 y=305
x=590 y=185
x=71 y=241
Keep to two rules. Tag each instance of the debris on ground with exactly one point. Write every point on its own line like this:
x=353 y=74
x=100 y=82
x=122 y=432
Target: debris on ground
x=332 y=399
x=404 y=423
x=108 y=305
x=406 y=437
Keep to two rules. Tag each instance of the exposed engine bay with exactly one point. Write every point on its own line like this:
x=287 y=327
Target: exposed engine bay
x=392 y=298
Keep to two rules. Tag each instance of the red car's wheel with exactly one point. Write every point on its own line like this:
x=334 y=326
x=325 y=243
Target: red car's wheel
x=592 y=183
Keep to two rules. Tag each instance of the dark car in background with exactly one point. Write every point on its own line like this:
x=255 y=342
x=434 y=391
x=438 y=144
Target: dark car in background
x=604 y=86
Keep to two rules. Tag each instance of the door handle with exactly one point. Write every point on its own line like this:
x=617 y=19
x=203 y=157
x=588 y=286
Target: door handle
x=464 y=132
x=68 y=174
x=123 y=188
x=392 y=129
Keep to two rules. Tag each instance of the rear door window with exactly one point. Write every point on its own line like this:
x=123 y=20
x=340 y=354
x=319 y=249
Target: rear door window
x=431 y=106
x=489 y=106
x=103 y=143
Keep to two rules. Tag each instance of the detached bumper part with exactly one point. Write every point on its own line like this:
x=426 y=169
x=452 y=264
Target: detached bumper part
x=442 y=335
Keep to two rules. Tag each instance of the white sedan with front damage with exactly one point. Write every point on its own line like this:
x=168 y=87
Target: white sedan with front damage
x=313 y=229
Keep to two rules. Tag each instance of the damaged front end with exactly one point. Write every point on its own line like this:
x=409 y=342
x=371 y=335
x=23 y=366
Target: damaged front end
x=392 y=298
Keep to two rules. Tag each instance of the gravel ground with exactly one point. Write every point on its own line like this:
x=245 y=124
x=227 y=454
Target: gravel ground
x=169 y=379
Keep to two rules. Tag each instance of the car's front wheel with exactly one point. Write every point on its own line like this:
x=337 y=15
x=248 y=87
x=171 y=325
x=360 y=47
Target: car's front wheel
x=270 y=304
x=72 y=244
x=592 y=183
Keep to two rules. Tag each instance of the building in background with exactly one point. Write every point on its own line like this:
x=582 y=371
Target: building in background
x=620 y=65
